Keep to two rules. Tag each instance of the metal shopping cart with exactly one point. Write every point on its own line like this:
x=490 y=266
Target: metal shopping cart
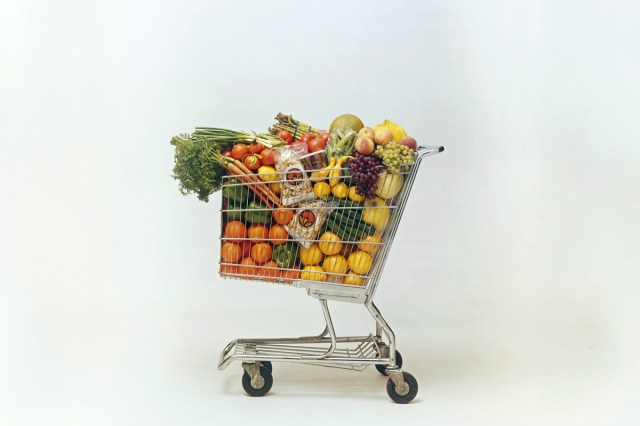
x=331 y=229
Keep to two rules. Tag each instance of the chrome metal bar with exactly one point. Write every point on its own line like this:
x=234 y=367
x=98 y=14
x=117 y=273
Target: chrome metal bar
x=332 y=332
x=387 y=330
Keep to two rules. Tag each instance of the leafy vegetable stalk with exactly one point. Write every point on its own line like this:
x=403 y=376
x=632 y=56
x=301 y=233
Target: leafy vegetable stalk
x=196 y=166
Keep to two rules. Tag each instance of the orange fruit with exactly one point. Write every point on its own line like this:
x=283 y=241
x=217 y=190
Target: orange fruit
x=258 y=233
x=270 y=272
x=231 y=252
x=278 y=235
x=247 y=268
x=282 y=216
x=261 y=252
x=246 y=248
x=228 y=269
x=291 y=274
x=235 y=230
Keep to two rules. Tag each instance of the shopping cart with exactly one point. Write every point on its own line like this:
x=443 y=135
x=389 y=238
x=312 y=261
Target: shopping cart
x=355 y=282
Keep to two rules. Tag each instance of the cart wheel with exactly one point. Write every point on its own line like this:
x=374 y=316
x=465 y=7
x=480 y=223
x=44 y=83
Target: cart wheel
x=266 y=381
x=408 y=394
x=267 y=365
x=381 y=367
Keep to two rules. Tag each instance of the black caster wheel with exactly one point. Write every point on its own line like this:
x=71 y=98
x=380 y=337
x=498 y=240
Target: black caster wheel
x=403 y=396
x=262 y=387
x=267 y=365
x=381 y=367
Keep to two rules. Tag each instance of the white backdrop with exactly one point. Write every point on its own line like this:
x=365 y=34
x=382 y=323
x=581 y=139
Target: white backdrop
x=513 y=282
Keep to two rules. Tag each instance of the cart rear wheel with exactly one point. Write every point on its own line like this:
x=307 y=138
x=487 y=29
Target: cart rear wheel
x=261 y=386
x=381 y=367
x=406 y=395
x=267 y=365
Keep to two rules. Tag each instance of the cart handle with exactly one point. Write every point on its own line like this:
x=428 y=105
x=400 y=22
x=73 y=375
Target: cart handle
x=423 y=151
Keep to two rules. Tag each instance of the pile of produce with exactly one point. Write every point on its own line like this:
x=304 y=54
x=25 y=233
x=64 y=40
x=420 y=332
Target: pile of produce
x=299 y=202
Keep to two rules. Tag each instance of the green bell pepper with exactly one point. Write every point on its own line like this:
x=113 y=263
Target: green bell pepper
x=258 y=214
x=237 y=193
x=285 y=255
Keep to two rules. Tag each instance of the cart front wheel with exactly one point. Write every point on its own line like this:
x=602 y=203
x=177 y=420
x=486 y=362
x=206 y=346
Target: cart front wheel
x=406 y=393
x=259 y=387
x=381 y=367
x=267 y=365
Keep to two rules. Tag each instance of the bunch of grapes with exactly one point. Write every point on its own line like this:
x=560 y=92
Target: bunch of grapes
x=364 y=172
x=395 y=156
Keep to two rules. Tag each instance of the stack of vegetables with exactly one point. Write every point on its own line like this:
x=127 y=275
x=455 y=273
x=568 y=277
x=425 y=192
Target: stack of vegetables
x=358 y=188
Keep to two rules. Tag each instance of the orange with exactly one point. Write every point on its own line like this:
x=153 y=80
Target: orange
x=270 y=272
x=283 y=216
x=231 y=252
x=261 y=252
x=228 y=269
x=291 y=274
x=258 y=233
x=352 y=279
x=278 y=235
x=371 y=243
x=235 y=230
x=247 y=268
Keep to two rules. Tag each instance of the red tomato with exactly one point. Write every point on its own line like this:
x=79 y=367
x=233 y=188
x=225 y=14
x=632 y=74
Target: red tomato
x=285 y=136
x=227 y=153
x=252 y=162
x=308 y=137
x=325 y=137
x=316 y=145
x=256 y=148
x=239 y=150
x=268 y=158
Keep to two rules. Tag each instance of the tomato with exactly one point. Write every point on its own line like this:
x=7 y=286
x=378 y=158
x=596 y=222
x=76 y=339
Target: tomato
x=252 y=162
x=308 y=137
x=325 y=137
x=239 y=150
x=316 y=144
x=256 y=148
x=268 y=157
x=227 y=153
x=283 y=216
x=285 y=136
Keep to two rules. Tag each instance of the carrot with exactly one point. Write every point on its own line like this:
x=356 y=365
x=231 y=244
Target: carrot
x=268 y=192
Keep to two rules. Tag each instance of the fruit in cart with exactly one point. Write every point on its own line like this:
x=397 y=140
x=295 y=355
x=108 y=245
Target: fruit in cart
x=291 y=274
x=276 y=187
x=236 y=192
x=252 y=161
x=285 y=255
x=347 y=249
x=227 y=153
x=376 y=213
x=269 y=271
x=278 y=235
x=321 y=189
x=228 y=269
x=382 y=136
x=371 y=243
x=353 y=279
x=267 y=173
x=282 y=216
x=325 y=137
x=239 y=150
x=335 y=264
x=268 y=157
x=257 y=213
x=258 y=233
x=360 y=262
x=231 y=252
x=311 y=256
x=246 y=248
x=341 y=190
x=409 y=142
x=314 y=273
x=364 y=145
x=285 y=135
x=354 y=196
x=235 y=230
x=396 y=129
x=395 y=156
x=330 y=243
x=346 y=121
x=336 y=172
x=255 y=148
x=389 y=185
x=364 y=172
x=247 y=268
x=321 y=174
x=366 y=132
x=261 y=252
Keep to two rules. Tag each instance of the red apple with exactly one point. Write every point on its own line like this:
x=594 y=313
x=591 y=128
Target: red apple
x=410 y=142
x=364 y=146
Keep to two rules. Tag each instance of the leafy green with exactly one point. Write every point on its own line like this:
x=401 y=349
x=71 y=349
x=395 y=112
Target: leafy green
x=197 y=166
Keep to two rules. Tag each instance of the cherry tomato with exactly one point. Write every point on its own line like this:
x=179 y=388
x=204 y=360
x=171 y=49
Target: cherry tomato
x=325 y=137
x=268 y=157
x=308 y=137
x=285 y=136
x=316 y=145
x=256 y=148
x=252 y=161
x=239 y=150
x=227 y=153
